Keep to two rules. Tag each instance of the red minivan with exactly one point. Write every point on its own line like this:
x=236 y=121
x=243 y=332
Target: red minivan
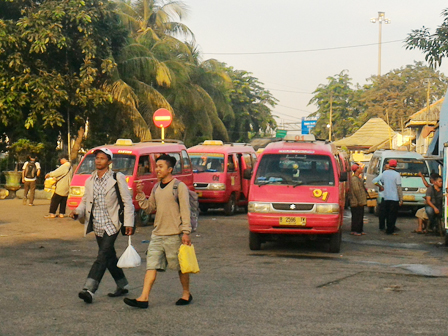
x=221 y=174
x=137 y=162
x=297 y=189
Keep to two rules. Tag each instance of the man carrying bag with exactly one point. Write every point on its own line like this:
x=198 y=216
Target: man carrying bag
x=99 y=211
x=172 y=228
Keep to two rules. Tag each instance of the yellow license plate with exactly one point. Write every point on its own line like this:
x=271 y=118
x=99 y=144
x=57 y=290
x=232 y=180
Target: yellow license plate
x=408 y=198
x=299 y=221
x=199 y=193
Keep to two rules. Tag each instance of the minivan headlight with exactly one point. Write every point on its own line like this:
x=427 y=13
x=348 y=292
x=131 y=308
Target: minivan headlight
x=217 y=186
x=259 y=207
x=422 y=190
x=77 y=191
x=327 y=208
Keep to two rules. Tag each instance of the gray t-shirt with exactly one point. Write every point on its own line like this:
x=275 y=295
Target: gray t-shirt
x=436 y=196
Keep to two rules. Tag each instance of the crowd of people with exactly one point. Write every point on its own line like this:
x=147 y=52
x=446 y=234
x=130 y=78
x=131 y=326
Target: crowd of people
x=391 y=199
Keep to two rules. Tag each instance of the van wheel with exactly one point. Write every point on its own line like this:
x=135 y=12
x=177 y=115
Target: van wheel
x=229 y=207
x=254 y=241
x=142 y=218
x=203 y=208
x=335 y=242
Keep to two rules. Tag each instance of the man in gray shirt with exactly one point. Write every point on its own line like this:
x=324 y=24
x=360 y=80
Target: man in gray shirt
x=390 y=180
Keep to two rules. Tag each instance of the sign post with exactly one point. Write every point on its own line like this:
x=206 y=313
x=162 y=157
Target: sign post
x=162 y=118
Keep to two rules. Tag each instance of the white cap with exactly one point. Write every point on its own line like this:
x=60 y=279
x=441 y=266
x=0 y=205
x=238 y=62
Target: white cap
x=105 y=151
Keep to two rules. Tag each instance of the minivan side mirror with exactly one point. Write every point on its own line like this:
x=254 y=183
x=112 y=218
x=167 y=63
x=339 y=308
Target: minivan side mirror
x=343 y=177
x=247 y=174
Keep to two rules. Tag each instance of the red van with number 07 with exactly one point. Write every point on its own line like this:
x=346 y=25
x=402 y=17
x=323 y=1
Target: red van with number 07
x=297 y=189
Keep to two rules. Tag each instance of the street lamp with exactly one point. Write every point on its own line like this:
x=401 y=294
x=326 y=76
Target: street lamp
x=380 y=19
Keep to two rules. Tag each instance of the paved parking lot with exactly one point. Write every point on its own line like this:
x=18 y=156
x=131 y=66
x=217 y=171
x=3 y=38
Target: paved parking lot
x=377 y=285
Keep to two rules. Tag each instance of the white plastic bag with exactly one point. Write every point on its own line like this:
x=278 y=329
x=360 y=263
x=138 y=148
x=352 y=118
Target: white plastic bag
x=130 y=258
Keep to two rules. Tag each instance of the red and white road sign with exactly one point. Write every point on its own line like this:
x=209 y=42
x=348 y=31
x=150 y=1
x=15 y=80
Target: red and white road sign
x=162 y=118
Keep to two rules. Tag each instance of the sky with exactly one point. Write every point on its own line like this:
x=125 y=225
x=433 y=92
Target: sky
x=223 y=27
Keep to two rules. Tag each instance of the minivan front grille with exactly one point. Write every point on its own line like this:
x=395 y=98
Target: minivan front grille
x=409 y=189
x=201 y=185
x=293 y=206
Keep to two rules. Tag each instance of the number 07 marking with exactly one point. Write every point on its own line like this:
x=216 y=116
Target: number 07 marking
x=320 y=194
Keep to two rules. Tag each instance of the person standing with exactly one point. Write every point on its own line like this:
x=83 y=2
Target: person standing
x=30 y=172
x=434 y=202
x=358 y=200
x=390 y=180
x=99 y=211
x=171 y=229
x=381 y=212
x=63 y=177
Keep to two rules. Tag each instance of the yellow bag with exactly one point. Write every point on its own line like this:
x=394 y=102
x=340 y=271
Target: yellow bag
x=49 y=184
x=187 y=259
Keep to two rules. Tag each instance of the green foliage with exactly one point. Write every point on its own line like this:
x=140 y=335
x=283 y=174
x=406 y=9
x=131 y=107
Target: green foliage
x=23 y=148
x=396 y=95
x=434 y=46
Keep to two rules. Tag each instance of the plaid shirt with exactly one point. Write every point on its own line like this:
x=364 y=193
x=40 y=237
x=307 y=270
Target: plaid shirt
x=101 y=219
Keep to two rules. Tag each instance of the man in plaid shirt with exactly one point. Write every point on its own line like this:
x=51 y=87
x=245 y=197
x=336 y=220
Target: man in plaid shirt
x=99 y=211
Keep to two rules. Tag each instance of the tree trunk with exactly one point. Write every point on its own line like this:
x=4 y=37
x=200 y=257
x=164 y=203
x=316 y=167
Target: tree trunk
x=77 y=145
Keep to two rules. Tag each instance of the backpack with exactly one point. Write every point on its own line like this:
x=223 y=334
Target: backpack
x=31 y=170
x=194 y=203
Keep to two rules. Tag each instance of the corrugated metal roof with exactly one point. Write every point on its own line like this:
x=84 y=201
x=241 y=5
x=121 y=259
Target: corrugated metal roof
x=372 y=133
x=424 y=117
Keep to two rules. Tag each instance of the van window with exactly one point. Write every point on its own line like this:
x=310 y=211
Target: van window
x=373 y=166
x=248 y=160
x=231 y=165
x=122 y=163
x=295 y=169
x=207 y=162
x=410 y=166
x=144 y=165
x=186 y=163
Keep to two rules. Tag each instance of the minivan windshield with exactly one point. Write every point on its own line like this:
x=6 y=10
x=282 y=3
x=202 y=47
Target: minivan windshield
x=122 y=163
x=207 y=162
x=295 y=169
x=410 y=166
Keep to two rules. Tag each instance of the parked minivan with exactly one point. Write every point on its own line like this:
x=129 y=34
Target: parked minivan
x=137 y=162
x=409 y=164
x=221 y=174
x=297 y=189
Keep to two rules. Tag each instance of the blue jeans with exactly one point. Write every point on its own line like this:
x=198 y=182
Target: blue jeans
x=433 y=217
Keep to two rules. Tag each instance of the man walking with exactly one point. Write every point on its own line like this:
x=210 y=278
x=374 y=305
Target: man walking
x=381 y=212
x=171 y=229
x=63 y=176
x=99 y=210
x=392 y=194
x=358 y=199
x=30 y=172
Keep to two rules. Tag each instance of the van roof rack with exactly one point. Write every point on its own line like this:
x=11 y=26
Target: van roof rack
x=165 y=140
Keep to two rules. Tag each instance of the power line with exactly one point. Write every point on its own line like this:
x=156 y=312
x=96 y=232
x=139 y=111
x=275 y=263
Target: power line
x=298 y=51
x=275 y=112
x=293 y=108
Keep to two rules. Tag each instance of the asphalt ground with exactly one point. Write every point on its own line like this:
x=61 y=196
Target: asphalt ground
x=377 y=285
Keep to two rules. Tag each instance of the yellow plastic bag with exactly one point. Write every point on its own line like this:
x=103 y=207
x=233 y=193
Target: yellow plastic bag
x=187 y=259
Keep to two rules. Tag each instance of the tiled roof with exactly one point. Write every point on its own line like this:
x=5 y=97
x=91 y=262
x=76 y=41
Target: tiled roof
x=372 y=133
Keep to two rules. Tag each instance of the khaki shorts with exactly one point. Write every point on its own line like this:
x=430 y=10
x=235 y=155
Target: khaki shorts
x=163 y=251
x=421 y=213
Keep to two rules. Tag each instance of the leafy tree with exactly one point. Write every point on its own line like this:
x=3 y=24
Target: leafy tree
x=434 y=46
x=251 y=105
x=401 y=92
x=55 y=57
x=339 y=93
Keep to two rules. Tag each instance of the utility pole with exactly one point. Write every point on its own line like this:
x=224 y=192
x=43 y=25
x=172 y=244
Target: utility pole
x=427 y=100
x=380 y=19
x=330 y=128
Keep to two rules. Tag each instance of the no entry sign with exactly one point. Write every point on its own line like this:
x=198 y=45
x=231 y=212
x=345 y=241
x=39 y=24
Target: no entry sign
x=162 y=118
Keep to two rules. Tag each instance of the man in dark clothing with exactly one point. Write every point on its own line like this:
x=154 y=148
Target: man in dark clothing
x=358 y=200
x=434 y=202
